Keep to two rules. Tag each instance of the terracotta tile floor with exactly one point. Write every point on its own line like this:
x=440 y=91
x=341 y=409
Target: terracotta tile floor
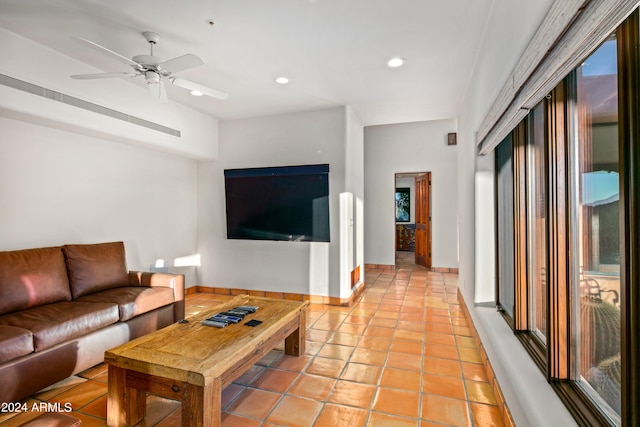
x=401 y=356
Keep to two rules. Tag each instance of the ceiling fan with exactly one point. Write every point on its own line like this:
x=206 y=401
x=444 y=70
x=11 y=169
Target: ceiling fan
x=155 y=70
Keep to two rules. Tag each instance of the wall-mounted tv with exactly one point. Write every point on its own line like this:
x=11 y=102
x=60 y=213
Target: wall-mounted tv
x=288 y=203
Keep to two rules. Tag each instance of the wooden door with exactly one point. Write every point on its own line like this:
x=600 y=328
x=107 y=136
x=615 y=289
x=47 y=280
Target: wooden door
x=423 y=219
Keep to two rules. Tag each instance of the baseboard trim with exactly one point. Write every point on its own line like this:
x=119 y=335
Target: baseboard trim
x=386 y=267
x=357 y=292
x=453 y=270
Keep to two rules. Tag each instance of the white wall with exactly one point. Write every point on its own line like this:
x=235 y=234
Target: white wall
x=530 y=398
x=485 y=258
x=354 y=154
x=289 y=139
x=404 y=148
x=511 y=25
x=60 y=187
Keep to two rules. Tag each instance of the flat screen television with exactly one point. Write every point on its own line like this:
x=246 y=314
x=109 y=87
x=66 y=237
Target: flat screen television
x=289 y=203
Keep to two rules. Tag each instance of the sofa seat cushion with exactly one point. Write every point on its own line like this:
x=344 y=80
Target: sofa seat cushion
x=133 y=300
x=32 y=277
x=55 y=323
x=14 y=342
x=95 y=267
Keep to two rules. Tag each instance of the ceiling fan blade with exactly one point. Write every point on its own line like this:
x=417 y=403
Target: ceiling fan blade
x=189 y=85
x=158 y=91
x=102 y=75
x=110 y=53
x=180 y=63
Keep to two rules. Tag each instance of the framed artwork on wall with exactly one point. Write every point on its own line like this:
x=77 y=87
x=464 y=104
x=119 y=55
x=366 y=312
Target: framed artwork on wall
x=403 y=205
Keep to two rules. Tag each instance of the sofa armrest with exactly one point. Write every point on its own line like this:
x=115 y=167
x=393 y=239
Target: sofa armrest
x=174 y=281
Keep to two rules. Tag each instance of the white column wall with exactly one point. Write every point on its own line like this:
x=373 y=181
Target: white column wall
x=354 y=185
x=295 y=267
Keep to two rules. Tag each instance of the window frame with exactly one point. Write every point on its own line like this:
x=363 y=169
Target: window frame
x=629 y=148
x=533 y=188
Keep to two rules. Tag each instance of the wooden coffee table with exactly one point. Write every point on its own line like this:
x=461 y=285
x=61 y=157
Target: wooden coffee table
x=192 y=363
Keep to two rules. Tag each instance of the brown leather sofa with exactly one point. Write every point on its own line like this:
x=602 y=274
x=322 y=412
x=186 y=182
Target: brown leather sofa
x=62 y=307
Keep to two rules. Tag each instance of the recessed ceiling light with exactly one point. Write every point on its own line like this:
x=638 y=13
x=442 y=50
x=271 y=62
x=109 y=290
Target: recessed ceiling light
x=395 y=62
x=282 y=80
x=196 y=93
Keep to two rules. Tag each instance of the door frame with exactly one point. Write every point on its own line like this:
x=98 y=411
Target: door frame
x=412 y=176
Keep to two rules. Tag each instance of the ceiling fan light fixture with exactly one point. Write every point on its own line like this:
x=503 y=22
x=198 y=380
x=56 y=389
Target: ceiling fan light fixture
x=282 y=80
x=152 y=77
x=395 y=62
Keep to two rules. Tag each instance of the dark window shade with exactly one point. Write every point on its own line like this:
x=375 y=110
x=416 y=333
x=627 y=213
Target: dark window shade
x=505 y=225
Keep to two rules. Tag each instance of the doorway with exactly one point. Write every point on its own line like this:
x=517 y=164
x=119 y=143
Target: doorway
x=413 y=218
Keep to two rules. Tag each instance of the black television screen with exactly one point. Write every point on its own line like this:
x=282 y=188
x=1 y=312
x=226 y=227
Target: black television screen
x=278 y=203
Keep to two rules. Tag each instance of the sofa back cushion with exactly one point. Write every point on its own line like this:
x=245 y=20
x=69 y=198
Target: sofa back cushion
x=95 y=267
x=32 y=277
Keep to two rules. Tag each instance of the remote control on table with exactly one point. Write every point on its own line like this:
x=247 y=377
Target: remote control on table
x=214 y=323
x=234 y=313
x=229 y=319
x=249 y=308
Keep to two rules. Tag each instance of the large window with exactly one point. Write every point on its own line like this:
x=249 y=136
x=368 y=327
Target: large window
x=596 y=229
x=536 y=218
x=568 y=231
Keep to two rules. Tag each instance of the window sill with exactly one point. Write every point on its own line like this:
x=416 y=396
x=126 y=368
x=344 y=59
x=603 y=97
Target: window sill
x=531 y=399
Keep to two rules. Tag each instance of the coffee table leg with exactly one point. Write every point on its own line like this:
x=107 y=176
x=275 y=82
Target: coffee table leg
x=294 y=344
x=126 y=406
x=202 y=406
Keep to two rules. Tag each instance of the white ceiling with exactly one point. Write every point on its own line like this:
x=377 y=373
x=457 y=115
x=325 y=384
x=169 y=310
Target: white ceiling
x=333 y=51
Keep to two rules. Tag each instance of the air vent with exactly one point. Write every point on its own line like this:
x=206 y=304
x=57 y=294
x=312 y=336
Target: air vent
x=85 y=105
